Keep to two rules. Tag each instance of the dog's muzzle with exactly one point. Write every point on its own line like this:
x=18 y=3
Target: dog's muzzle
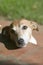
x=21 y=42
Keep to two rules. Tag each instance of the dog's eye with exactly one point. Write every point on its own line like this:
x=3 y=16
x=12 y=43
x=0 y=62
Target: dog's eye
x=24 y=27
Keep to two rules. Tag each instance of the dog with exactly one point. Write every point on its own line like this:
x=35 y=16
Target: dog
x=20 y=31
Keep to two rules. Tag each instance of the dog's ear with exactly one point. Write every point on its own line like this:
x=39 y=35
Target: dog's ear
x=34 y=26
x=11 y=26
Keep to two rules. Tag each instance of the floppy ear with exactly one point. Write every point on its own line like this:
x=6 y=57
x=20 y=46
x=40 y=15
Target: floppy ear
x=34 y=26
x=11 y=25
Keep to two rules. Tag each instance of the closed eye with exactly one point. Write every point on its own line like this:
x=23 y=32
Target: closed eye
x=24 y=27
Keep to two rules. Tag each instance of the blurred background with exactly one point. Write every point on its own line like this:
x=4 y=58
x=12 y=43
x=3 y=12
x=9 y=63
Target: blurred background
x=16 y=9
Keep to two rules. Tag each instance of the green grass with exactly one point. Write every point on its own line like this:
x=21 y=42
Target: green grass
x=16 y=9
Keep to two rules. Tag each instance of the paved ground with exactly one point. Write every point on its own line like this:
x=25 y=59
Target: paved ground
x=31 y=55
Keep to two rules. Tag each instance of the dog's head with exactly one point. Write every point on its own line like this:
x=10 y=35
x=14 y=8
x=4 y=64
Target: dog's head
x=22 y=32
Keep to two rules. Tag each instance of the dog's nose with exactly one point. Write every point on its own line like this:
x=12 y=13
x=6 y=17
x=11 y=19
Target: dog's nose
x=20 y=41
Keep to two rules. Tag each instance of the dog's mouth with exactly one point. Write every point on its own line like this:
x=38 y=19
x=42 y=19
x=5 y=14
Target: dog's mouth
x=20 y=43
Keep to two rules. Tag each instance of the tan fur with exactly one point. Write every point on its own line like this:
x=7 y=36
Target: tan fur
x=33 y=25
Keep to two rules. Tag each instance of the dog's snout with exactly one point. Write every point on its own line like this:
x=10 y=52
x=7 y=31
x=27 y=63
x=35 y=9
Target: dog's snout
x=20 y=41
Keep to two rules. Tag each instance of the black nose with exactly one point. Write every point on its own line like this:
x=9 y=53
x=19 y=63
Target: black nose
x=20 y=41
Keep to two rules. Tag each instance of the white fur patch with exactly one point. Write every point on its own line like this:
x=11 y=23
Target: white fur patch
x=14 y=28
x=0 y=25
x=26 y=35
x=33 y=40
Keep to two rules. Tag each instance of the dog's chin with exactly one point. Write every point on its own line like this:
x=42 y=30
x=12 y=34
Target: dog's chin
x=20 y=46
